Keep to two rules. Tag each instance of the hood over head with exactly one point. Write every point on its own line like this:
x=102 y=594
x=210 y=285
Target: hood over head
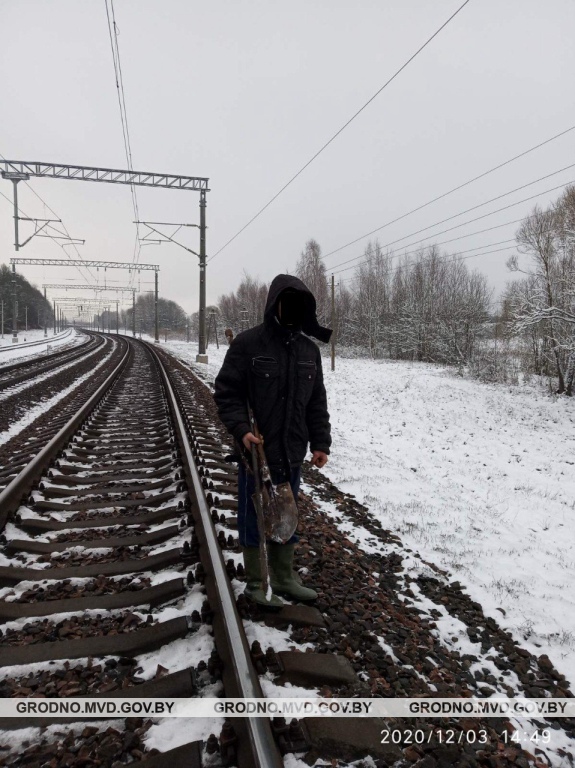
x=310 y=325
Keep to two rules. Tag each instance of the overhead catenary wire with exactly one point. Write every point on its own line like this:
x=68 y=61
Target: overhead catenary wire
x=67 y=233
x=468 y=210
x=113 y=33
x=448 y=258
x=450 y=191
x=343 y=127
x=61 y=245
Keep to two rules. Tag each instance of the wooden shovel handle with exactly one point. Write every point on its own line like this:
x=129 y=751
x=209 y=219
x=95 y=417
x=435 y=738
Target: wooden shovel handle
x=260 y=445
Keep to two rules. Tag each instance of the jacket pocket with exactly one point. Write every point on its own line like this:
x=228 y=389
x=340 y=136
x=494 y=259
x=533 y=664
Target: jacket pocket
x=265 y=398
x=265 y=367
x=306 y=373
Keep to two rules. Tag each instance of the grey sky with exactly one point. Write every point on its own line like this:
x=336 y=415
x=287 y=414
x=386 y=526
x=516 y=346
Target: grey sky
x=245 y=92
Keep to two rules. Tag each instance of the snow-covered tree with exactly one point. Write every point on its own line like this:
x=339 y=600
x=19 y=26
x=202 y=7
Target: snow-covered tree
x=542 y=303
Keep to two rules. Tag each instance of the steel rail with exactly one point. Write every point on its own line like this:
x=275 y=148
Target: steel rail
x=242 y=680
x=52 y=357
x=29 y=372
x=11 y=496
x=26 y=344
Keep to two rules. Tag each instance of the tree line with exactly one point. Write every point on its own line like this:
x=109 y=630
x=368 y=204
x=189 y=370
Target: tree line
x=426 y=308
x=539 y=304
x=431 y=306
x=32 y=308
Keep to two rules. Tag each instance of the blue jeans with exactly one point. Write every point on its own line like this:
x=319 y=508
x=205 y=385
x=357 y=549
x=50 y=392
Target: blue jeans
x=247 y=516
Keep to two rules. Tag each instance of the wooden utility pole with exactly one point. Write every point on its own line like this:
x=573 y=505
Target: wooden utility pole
x=333 y=323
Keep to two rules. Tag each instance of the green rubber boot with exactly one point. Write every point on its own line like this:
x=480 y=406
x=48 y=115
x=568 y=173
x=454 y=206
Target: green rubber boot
x=253 y=590
x=283 y=579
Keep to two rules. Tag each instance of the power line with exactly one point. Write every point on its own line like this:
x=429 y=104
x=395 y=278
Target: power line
x=468 y=210
x=448 y=258
x=470 y=234
x=49 y=226
x=553 y=189
x=113 y=33
x=335 y=135
x=53 y=212
x=451 y=191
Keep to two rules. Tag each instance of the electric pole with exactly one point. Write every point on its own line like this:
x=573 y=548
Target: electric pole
x=157 y=328
x=201 y=357
x=15 y=181
x=333 y=323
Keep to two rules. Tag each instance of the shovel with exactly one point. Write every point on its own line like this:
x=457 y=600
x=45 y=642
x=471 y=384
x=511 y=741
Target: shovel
x=258 y=504
x=279 y=510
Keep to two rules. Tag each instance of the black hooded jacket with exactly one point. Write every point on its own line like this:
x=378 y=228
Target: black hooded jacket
x=280 y=372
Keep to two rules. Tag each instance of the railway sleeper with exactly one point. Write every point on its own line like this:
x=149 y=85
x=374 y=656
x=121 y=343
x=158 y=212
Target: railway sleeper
x=157 y=438
x=9 y=576
x=125 y=644
x=90 y=490
x=159 y=594
x=131 y=449
x=135 y=473
x=80 y=506
x=153 y=517
x=108 y=433
x=43 y=547
x=159 y=465
x=177 y=685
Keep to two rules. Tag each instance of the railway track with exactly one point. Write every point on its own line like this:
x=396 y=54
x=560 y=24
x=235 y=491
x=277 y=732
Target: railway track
x=29 y=370
x=114 y=526
x=120 y=576
x=30 y=344
x=30 y=418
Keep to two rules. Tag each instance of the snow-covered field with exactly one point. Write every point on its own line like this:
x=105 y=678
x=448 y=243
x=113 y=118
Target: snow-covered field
x=479 y=479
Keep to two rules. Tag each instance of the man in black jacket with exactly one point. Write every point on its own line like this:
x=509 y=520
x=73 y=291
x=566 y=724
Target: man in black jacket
x=278 y=369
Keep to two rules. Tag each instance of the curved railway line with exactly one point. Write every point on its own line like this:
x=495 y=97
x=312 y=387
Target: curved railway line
x=119 y=553
x=27 y=370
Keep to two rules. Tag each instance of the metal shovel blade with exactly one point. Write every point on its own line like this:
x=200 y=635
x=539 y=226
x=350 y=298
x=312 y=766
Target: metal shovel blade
x=280 y=513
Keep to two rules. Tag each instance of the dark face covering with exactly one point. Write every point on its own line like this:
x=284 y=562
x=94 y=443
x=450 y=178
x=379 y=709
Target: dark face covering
x=291 y=310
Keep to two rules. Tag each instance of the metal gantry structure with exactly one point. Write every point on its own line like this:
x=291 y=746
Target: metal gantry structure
x=106 y=265
x=22 y=170
x=129 y=265
x=100 y=299
x=97 y=288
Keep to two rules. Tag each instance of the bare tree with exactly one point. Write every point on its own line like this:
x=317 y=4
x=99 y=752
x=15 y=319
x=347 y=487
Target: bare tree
x=373 y=299
x=311 y=270
x=543 y=303
x=244 y=308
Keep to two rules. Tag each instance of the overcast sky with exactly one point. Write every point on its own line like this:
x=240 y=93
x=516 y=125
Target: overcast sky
x=245 y=92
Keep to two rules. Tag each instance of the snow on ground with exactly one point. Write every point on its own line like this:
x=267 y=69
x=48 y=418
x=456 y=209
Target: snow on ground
x=32 y=382
x=38 y=410
x=32 y=343
x=478 y=479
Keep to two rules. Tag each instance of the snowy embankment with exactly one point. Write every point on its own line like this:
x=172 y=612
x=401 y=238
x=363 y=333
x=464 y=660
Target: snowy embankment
x=478 y=479
x=33 y=343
